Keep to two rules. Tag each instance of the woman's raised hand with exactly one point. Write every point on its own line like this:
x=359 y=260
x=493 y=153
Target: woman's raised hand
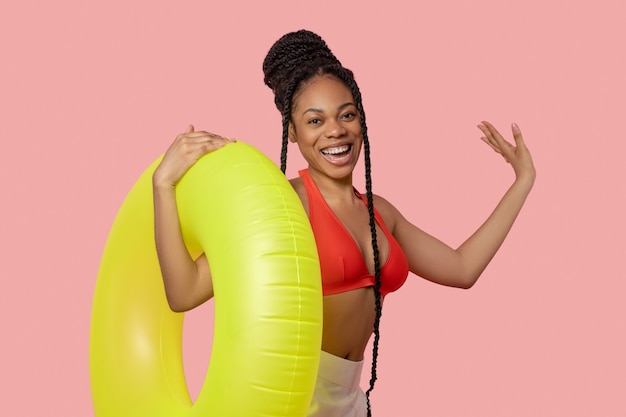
x=518 y=156
x=186 y=149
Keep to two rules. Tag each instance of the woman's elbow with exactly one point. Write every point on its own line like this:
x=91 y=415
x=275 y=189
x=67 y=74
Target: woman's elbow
x=466 y=285
x=466 y=282
x=177 y=305
x=176 y=308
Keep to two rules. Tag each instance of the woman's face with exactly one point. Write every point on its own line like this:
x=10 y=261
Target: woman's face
x=326 y=126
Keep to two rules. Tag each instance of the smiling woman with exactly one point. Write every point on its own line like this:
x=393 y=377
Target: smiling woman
x=366 y=247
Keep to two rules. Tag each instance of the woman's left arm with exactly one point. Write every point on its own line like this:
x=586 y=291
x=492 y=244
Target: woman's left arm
x=436 y=261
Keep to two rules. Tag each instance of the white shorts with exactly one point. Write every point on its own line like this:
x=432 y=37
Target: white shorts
x=337 y=391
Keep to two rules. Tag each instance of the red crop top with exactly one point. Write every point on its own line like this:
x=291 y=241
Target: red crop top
x=342 y=265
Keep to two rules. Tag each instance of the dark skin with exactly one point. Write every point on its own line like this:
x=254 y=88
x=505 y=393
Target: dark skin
x=326 y=127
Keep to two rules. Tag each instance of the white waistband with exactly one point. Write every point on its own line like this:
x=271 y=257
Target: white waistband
x=341 y=371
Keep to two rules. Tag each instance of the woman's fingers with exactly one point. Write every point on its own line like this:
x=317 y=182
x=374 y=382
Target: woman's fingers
x=202 y=136
x=196 y=143
x=184 y=152
x=490 y=138
x=494 y=136
x=495 y=140
x=517 y=155
x=517 y=135
x=495 y=148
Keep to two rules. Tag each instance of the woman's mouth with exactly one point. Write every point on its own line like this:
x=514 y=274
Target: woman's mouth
x=337 y=153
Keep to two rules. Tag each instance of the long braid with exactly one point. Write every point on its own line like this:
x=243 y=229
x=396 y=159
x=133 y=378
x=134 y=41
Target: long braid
x=349 y=80
x=294 y=59
x=377 y=280
x=283 y=150
x=286 y=113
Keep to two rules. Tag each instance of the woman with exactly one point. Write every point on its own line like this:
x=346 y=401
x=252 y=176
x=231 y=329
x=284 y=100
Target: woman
x=366 y=246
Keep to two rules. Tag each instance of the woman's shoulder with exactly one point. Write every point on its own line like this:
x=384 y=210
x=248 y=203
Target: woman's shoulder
x=298 y=187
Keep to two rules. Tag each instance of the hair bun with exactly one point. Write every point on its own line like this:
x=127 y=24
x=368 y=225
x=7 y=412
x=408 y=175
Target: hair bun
x=290 y=52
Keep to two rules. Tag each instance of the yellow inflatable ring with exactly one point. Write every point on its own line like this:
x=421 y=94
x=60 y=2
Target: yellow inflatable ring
x=239 y=209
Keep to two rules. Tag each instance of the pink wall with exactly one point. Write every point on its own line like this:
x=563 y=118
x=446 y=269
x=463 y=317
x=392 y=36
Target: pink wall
x=91 y=93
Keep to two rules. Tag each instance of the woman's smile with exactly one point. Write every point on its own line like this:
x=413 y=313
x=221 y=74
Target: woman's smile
x=338 y=154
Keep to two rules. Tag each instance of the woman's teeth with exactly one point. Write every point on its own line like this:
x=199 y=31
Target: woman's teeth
x=336 y=151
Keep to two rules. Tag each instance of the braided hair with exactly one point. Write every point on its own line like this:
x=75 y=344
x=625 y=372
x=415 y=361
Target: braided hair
x=293 y=60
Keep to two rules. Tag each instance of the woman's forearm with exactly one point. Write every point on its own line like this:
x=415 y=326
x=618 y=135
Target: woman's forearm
x=187 y=282
x=478 y=250
x=179 y=271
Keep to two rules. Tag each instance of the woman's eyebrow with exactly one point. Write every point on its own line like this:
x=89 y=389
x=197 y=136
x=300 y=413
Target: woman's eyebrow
x=341 y=107
x=347 y=104
x=312 y=110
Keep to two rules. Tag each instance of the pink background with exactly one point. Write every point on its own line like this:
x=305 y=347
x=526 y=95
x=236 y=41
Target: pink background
x=92 y=92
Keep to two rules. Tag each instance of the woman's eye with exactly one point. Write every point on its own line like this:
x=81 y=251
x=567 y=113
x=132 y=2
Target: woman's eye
x=314 y=121
x=348 y=116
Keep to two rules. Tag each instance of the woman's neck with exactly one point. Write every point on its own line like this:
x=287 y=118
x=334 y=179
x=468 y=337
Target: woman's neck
x=334 y=190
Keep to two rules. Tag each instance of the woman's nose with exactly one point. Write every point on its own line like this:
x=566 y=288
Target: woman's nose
x=334 y=129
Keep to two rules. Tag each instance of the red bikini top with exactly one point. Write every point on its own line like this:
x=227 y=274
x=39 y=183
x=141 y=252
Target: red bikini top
x=342 y=265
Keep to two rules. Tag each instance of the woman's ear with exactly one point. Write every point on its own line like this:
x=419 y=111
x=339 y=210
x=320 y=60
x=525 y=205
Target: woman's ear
x=292 y=133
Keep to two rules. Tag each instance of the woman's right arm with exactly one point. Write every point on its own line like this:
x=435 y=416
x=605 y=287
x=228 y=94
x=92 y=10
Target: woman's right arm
x=187 y=282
